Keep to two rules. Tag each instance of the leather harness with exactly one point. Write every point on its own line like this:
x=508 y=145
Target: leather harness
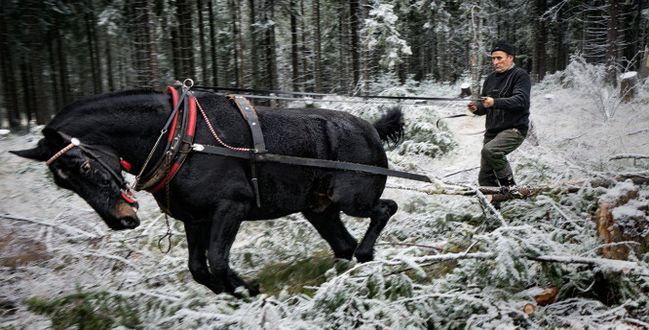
x=180 y=142
x=258 y=153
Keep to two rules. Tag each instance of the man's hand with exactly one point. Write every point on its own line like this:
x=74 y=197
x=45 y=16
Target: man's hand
x=472 y=107
x=488 y=102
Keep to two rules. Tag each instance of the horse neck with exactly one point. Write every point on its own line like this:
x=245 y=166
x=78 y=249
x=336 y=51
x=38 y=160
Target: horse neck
x=130 y=125
x=138 y=134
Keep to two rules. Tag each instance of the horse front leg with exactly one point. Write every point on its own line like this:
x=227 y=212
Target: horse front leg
x=198 y=238
x=225 y=225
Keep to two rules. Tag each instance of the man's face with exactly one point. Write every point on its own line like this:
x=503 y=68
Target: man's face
x=501 y=60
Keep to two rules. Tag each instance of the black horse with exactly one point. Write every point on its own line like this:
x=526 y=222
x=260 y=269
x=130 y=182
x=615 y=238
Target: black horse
x=212 y=194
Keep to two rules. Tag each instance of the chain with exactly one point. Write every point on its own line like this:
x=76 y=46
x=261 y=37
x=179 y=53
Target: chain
x=168 y=233
x=213 y=131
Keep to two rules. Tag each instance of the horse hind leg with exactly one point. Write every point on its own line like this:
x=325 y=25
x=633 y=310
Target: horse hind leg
x=331 y=228
x=379 y=216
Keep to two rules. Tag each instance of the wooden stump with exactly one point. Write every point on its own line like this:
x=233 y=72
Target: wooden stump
x=465 y=91
x=644 y=66
x=628 y=83
x=611 y=230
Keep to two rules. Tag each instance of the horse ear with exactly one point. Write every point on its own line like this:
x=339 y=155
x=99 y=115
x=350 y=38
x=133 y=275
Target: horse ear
x=41 y=152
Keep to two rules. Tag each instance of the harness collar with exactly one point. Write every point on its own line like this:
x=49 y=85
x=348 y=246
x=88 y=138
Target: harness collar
x=182 y=130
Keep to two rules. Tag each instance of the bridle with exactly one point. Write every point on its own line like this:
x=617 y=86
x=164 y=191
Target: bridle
x=93 y=152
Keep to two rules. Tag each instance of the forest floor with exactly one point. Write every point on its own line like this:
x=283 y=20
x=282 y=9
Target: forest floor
x=442 y=261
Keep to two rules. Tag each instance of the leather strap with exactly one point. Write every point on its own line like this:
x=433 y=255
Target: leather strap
x=179 y=141
x=310 y=162
x=250 y=115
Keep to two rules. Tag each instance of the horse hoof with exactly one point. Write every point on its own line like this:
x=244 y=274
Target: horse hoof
x=364 y=256
x=253 y=288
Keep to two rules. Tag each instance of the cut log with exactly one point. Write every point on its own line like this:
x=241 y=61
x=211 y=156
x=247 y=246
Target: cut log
x=618 y=219
x=529 y=309
x=628 y=83
x=547 y=296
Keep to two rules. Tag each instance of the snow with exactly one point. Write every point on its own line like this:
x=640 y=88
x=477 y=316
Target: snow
x=442 y=261
x=627 y=75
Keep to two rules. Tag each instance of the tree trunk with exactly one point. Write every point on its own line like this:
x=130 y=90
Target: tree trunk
x=109 y=65
x=54 y=79
x=63 y=65
x=295 y=67
x=307 y=74
x=254 y=61
x=143 y=43
x=185 y=32
x=354 y=18
x=475 y=47
x=94 y=58
x=214 y=55
x=612 y=42
x=628 y=84
x=644 y=64
x=235 y=34
x=317 y=62
x=540 y=40
x=270 y=58
x=241 y=44
x=201 y=40
x=27 y=90
x=343 y=59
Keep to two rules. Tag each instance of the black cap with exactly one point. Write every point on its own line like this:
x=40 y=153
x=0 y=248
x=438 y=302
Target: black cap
x=504 y=46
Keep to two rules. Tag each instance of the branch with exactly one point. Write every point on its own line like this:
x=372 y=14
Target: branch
x=60 y=226
x=623 y=266
x=612 y=264
x=627 y=156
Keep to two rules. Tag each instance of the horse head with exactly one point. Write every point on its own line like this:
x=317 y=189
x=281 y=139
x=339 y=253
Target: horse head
x=91 y=171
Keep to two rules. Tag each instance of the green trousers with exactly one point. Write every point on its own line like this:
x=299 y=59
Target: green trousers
x=494 y=164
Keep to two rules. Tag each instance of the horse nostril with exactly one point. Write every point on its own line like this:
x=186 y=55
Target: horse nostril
x=130 y=222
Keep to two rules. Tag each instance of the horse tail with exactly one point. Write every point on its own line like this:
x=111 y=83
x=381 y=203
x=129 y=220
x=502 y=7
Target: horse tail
x=390 y=126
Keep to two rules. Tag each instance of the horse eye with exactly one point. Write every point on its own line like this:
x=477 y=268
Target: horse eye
x=85 y=168
x=62 y=174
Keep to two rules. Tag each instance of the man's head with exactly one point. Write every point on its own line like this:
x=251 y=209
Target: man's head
x=502 y=56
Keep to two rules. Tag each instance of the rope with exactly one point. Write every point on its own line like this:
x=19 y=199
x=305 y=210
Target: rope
x=266 y=91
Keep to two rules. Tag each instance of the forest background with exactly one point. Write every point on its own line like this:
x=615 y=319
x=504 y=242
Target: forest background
x=53 y=52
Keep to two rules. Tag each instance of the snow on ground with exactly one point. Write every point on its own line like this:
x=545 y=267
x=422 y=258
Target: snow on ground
x=52 y=245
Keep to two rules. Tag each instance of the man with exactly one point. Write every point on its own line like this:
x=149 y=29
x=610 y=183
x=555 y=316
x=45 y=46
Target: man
x=506 y=102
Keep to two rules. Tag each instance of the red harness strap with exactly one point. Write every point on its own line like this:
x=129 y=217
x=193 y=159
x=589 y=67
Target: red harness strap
x=187 y=137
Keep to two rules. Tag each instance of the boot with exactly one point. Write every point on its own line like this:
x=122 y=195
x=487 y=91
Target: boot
x=507 y=181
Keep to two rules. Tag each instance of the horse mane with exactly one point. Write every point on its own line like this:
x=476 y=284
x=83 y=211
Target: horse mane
x=88 y=103
x=112 y=95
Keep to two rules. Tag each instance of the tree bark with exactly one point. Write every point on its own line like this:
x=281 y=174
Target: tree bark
x=236 y=44
x=185 y=32
x=354 y=26
x=270 y=58
x=10 y=92
x=295 y=67
x=612 y=42
x=540 y=40
x=109 y=65
x=254 y=61
x=317 y=61
x=54 y=79
x=214 y=54
x=201 y=39
x=475 y=47
x=63 y=65
x=92 y=52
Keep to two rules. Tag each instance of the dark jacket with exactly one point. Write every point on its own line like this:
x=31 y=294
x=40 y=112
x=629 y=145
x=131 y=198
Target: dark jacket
x=511 y=93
